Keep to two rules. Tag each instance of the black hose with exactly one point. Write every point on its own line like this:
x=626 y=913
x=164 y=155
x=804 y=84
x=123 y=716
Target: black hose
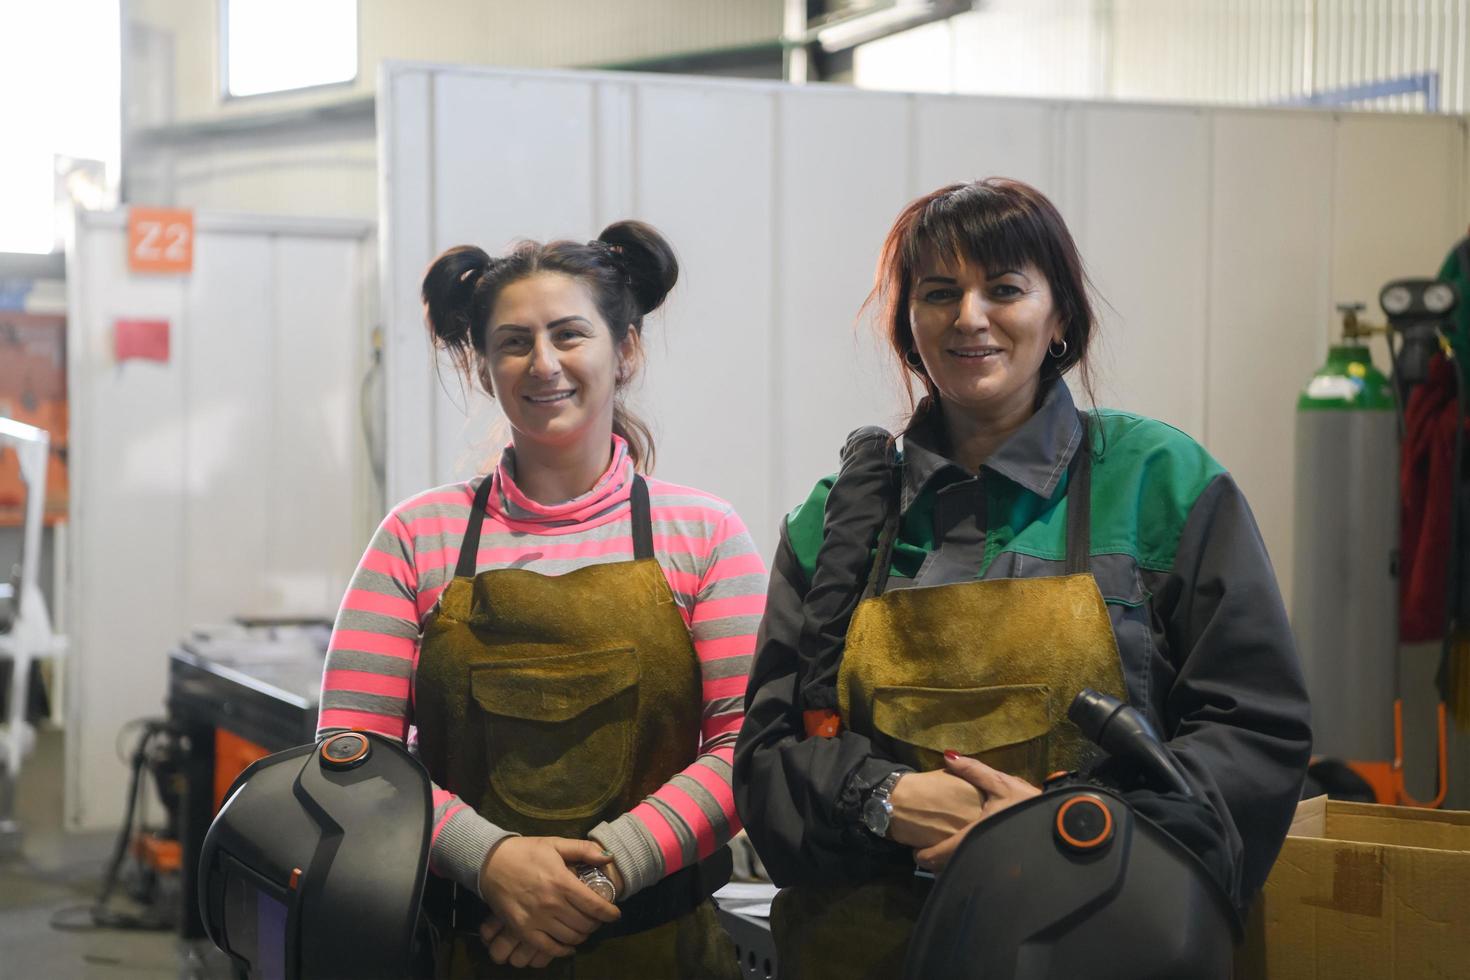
x=1393 y=381
x=1122 y=732
x=99 y=915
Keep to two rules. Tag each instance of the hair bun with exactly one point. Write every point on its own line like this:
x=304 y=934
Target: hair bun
x=449 y=292
x=647 y=257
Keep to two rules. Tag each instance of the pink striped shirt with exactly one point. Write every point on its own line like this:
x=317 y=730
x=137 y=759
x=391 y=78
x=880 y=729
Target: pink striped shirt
x=719 y=584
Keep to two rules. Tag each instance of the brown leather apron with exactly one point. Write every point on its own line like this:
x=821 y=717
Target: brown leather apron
x=553 y=703
x=986 y=668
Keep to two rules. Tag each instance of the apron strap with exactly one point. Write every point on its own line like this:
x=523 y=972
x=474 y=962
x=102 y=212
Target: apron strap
x=469 y=548
x=642 y=519
x=1079 y=505
x=883 y=558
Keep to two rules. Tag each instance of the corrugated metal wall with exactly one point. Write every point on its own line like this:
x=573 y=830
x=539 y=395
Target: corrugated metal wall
x=1235 y=52
x=1357 y=40
x=1230 y=51
x=1049 y=48
x=1261 y=51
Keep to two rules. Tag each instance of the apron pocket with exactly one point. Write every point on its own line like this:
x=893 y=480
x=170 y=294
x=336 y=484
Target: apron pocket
x=1005 y=726
x=559 y=730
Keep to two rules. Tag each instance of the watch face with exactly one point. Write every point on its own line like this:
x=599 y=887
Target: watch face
x=601 y=886
x=876 y=817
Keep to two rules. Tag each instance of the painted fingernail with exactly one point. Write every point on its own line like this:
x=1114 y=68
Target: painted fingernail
x=606 y=853
x=951 y=754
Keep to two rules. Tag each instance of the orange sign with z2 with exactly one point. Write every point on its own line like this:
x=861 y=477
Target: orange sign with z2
x=160 y=240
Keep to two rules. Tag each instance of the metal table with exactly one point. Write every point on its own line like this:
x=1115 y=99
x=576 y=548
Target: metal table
x=262 y=684
x=745 y=911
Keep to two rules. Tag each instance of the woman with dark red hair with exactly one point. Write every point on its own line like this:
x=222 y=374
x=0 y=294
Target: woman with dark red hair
x=934 y=609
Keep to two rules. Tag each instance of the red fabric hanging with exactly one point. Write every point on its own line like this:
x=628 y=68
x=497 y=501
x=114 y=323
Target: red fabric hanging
x=1426 y=488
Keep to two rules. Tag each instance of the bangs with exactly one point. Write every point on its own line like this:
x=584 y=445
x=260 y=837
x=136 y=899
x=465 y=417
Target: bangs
x=978 y=225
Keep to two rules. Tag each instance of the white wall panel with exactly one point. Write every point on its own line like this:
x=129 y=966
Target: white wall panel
x=958 y=139
x=1141 y=221
x=1220 y=238
x=406 y=192
x=1398 y=203
x=226 y=353
x=312 y=530
x=126 y=537
x=513 y=159
x=708 y=390
x=1382 y=232
x=615 y=164
x=844 y=167
x=225 y=481
x=1270 y=301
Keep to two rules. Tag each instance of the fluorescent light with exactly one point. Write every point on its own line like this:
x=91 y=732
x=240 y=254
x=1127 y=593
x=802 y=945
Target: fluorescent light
x=871 y=25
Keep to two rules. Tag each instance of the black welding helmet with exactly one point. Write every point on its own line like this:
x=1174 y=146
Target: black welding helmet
x=315 y=865
x=1074 y=883
x=1077 y=883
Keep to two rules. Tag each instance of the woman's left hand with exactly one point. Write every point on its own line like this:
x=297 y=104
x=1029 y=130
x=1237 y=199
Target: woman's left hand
x=505 y=948
x=998 y=790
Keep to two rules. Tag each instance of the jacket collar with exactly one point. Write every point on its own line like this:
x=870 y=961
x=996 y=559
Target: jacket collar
x=1034 y=457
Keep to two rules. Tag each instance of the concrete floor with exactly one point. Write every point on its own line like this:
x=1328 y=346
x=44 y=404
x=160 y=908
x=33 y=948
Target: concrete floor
x=56 y=871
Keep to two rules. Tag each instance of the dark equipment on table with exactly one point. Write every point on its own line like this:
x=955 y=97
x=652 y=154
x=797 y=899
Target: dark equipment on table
x=327 y=841
x=144 y=865
x=1076 y=883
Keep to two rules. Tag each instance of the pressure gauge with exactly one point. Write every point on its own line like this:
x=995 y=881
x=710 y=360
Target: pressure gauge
x=1396 y=300
x=1438 y=298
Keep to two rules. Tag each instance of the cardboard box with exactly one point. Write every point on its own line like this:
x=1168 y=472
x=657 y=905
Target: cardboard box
x=1360 y=890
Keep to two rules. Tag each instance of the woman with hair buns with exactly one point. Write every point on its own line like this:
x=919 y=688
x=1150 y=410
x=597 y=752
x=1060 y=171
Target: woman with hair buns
x=566 y=638
x=934 y=610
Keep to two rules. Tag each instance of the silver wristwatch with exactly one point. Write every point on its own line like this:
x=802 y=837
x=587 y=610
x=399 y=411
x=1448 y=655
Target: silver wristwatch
x=602 y=886
x=877 y=809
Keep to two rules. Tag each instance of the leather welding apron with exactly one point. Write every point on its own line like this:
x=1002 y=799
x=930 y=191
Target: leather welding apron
x=986 y=668
x=553 y=703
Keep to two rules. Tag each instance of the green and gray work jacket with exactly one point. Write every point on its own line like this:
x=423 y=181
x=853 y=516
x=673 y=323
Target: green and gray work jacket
x=1207 y=653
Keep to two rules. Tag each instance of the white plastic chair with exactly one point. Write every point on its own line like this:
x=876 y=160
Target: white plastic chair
x=30 y=636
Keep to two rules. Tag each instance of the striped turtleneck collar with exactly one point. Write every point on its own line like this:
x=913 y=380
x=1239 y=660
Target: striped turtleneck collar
x=509 y=503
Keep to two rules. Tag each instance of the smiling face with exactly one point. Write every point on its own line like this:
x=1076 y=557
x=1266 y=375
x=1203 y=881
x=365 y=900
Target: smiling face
x=553 y=363
x=982 y=333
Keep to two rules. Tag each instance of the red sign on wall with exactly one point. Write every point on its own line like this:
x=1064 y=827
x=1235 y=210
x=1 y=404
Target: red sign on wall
x=160 y=240
x=145 y=340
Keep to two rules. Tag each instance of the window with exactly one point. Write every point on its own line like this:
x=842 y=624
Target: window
x=59 y=84
x=278 y=45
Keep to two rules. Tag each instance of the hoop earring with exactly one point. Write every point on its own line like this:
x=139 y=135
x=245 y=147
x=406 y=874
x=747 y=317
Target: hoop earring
x=1052 y=349
x=913 y=360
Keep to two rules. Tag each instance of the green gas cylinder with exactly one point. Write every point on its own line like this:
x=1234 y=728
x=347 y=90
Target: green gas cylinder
x=1344 y=594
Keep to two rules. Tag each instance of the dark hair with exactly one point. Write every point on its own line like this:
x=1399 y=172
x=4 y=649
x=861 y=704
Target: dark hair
x=629 y=268
x=997 y=223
